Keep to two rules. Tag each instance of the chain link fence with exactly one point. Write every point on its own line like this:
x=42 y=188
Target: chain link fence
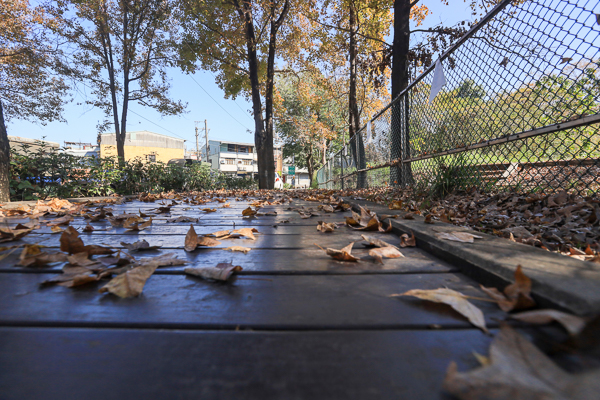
x=520 y=110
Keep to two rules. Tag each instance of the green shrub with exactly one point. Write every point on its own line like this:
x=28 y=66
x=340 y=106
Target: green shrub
x=44 y=173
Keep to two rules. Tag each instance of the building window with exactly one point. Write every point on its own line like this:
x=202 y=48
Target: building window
x=229 y=161
x=151 y=157
x=247 y=162
x=243 y=149
x=231 y=148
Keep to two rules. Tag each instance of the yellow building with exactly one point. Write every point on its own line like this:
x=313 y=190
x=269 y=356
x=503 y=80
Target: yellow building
x=148 y=146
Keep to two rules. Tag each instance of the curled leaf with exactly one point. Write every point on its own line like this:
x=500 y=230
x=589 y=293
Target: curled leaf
x=516 y=295
x=385 y=252
x=130 y=283
x=406 y=241
x=463 y=237
x=326 y=226
x=376 y=242
x=248 y=212
x=221 y=272
x=341 y=255
x=140 y=245
x=572 y=323
x=454 y=299
x=241 y=249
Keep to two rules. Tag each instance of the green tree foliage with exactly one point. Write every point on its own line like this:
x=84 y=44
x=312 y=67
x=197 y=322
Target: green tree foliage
x=28 y=87
x=238 y=40
x=121 y=48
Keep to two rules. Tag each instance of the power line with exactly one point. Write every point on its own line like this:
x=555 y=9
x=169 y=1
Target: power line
x=131 y=111
x=234 y=102
x=217 y=103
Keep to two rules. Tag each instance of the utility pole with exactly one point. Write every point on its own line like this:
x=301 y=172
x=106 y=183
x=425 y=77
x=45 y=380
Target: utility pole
x=206 y=137
x=197 y=149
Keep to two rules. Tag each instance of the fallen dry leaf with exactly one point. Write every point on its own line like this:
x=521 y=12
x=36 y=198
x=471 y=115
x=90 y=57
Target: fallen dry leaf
x=463 y=237
x=376 y=242
x=520 y=371
x=191 y=240
x=71 y=243
x=245 y=232
x=396 y=205
x=56 y=229
x=385 y=252
x=572 y=323
x=341 y=255
x=326 y=226
x=76 y=277
x=429 y=219
x=182 y=219
x=406 y=241
x=10 y=235
x=221 y=272
x=61 y=221
x=140 y=245
x=241 y=249
x=516 y=295
x=248 y=212
x=33 y=256
x=219 y=234
x=136 y=224
x=130 y=283
x=454 y=299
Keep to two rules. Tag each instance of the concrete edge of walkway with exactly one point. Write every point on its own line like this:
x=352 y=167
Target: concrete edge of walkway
x=557 y=280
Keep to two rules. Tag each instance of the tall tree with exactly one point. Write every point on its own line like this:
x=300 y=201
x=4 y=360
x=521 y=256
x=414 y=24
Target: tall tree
x=238 y=39
x=28 y=89
x=121 y=48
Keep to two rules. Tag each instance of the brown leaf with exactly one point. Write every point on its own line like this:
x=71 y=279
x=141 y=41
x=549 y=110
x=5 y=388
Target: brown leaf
x=572 y=323
x=385 y=252
x=140 y=245
x=72 y=279
x=210 y=210
x=10 y=235
x=136 y=224
x=57 y=229
x=377 y=242
x=463 y=237
x=241 y=249
x=326 y=226
x=351 y=221
x=208 y=242
x=406 y=241
x=429 y=219
x=61 y=221
x=33 y=256
x=219 y=234
x=88 y=228
x=454 y=299
x=131 y=283
x=372 y=225
x=182 y=219
x=191 y=240
x=516 y=295
x=408 y=216
x=245 y=232
x=71 y=243
x=396 y=205
x=248 y=212
x=519 y=371
x=221 y=272
x=341 y=255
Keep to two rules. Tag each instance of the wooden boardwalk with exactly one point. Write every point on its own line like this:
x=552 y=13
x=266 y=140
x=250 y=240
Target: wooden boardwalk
x=294 y=324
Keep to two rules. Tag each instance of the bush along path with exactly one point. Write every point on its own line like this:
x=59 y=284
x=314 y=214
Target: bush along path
x=273 y=294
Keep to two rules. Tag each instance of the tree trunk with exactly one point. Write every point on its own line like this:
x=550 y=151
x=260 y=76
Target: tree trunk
x=310 y=166
x=4 y=160
x=399 y=139
x=356 y=142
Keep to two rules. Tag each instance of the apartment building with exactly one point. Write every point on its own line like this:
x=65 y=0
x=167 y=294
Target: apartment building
x=236 y=158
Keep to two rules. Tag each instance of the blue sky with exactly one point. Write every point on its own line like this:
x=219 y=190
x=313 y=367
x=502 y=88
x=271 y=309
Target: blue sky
x=227 y=119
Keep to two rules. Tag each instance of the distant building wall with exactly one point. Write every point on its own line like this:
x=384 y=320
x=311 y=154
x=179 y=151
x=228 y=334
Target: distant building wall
x=18 y=144
x=148 y=146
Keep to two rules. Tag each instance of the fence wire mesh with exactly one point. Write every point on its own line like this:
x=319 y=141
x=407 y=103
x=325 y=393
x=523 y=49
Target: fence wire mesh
x=520 y=110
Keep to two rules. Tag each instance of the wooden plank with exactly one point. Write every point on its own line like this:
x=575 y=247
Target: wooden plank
x=333 y=240
x=268 y=261
x=38 y=363
x=279 y=302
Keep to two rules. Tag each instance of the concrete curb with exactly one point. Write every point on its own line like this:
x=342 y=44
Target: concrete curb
x=558 y=281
